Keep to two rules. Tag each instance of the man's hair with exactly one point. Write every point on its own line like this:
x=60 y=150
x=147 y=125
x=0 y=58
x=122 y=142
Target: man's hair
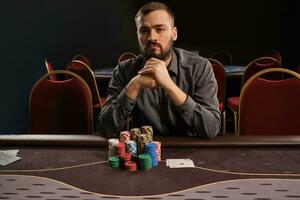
x=153 y=6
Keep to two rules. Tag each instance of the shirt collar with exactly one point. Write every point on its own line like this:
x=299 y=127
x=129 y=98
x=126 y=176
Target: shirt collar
x=173 y=66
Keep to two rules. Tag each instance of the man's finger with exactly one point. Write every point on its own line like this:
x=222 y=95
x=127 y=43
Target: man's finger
x=146 y=71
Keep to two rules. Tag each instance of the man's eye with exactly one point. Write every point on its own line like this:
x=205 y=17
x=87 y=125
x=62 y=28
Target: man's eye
x=159 y=30
x=144 y=31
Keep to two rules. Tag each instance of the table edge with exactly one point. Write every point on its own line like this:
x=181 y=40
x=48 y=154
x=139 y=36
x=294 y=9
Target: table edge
x=169 y=142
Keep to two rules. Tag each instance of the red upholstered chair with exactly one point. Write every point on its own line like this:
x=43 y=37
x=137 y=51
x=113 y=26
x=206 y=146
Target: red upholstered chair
x=270 y=107
x=252 y=68
x=220 y=75
x=49 y=68
x=273 y=54
x=83 y=70
x=60 y=107
x=258 y=65
x=126 y=56
x=298 y=69
x=84 y=59
x=223 y=57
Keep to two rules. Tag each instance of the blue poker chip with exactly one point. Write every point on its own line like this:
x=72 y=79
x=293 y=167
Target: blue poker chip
x=151 y=150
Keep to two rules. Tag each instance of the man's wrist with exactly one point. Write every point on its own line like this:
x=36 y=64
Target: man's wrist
x=132 y=89
x=177 y=96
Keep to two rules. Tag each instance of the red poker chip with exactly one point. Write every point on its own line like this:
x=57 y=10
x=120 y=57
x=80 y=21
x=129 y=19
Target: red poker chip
x=130 y=166
x=120 y=148
x=125 y=156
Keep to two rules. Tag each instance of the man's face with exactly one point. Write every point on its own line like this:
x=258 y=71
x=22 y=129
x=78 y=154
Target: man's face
x=156 y=35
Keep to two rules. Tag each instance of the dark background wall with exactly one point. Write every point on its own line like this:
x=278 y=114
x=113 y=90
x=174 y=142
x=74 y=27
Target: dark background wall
x=33 y=30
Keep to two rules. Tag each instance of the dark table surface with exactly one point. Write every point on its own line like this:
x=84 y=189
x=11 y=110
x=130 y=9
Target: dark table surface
x=75 y=167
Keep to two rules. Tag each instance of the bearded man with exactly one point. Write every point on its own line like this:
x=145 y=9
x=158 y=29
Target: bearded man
x=170 y=89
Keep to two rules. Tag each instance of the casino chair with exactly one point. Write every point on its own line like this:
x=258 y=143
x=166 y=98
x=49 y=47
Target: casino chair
x=220 y=77
x=298 y=69
x=270 y=107
x=126 y=56
x=83 y=70
x=60 y=107
x=83 y=59
x=223 y=57
x=252 y=68
x=273 y=54
x=49 y=68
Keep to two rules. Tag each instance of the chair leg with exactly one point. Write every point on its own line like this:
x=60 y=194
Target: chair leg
x=224 y=123
x=235 y=123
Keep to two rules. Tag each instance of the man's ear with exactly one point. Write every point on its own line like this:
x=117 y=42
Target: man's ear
x=174 y=33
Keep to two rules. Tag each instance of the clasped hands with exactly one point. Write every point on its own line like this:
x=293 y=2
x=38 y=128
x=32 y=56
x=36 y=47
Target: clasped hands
x=154 y=74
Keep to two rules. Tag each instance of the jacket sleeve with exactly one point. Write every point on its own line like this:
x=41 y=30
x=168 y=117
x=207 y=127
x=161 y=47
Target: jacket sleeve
x=201 y=110
x=117 y=109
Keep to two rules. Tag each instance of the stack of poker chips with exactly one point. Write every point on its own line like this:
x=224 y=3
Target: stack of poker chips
x=112 y=146
x=131 y=147
x=142 y=141
x=124 y=158
x=150 y=149
x=134 y=133
x=158 y=149
x=114 y=161
x=148 y=131
x=130 y=166
x=120 y=148
x=124 y=136
x=134 y=150
x=145 y=162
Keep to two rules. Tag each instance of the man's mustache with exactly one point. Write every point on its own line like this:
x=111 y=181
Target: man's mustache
x=151 y=42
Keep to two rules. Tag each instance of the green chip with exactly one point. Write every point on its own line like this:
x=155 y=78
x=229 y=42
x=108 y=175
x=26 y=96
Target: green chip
x=114 y=162
x=145 y=162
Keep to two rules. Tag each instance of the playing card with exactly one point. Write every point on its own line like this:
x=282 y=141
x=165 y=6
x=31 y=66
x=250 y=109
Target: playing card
x=11 y=152
x=184 y=164
x=179 y=163
x=7 y=158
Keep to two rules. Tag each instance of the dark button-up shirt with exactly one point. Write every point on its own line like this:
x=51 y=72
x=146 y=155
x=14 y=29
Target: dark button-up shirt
x=198 y=116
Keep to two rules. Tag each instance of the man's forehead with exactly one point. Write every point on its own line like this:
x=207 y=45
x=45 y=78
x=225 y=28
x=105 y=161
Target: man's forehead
x=155 y=18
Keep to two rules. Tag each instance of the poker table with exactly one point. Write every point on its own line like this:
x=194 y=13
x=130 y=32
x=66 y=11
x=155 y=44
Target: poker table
x=56 y=167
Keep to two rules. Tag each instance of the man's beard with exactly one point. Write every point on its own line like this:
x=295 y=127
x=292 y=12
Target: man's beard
x=149 y=53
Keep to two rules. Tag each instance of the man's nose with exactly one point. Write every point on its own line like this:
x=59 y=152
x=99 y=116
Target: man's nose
x=153 y=36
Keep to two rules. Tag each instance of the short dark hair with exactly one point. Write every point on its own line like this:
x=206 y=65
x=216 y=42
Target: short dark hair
x=153 y=6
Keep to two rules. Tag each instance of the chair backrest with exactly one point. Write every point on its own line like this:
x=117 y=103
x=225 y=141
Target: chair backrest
x=260 y=64
x=223 y=57
x=84 y=59
x=49 y=68
x=126 y=56
x=83 y=70
x=298 y=69
x=220 y=75
x=60 y=107
x=270 y=106
x=273 y=54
